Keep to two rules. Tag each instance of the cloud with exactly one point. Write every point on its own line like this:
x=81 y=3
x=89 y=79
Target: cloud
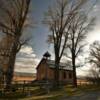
x=96 y=8
x=27 y=49
x=83 y=71
x=26 y=60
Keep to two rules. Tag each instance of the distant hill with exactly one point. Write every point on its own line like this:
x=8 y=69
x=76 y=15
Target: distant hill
x=22 y=76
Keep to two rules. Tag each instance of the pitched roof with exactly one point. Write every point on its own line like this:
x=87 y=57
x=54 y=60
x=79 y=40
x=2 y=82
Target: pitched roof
x=63 y=66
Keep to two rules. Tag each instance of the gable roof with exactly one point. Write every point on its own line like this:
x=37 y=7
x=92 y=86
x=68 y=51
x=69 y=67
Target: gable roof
x=51 y=64
x=63 y=66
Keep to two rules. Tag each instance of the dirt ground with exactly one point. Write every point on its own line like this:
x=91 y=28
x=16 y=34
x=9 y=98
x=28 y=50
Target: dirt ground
x=85 y=96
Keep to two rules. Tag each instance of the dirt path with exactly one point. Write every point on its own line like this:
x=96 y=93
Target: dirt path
x=85 y=96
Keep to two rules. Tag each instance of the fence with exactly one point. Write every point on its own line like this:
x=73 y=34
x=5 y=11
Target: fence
x=28 y=85
x=85 y=83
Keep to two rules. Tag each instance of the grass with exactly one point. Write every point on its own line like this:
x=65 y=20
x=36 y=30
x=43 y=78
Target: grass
x=17 y=94
x=44 y=97
x=40 y=94
x=67 y=91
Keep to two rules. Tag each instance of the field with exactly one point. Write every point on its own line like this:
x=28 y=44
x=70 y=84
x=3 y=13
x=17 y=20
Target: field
x=85 y=92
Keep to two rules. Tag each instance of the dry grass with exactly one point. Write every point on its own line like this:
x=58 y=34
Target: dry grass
x=41 y=94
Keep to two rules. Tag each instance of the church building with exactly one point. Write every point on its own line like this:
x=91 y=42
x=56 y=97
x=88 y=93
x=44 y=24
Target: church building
x=46 y=70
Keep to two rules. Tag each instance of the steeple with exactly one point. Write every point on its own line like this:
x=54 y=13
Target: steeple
x=46 y=55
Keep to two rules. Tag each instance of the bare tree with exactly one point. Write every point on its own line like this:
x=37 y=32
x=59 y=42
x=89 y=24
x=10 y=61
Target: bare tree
x=80 y=25
x=94 y=60
x=13 y=19
x=58 y=18
x=95 y=53
x=94 y=75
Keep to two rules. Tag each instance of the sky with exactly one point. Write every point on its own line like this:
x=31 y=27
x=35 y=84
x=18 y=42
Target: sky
x=29 y=56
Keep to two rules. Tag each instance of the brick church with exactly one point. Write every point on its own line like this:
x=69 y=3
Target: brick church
x=45 y=70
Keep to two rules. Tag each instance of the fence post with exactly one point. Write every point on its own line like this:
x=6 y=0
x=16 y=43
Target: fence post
x=23 y=86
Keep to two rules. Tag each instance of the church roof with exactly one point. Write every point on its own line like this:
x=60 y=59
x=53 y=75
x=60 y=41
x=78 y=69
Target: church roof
x=62 y=65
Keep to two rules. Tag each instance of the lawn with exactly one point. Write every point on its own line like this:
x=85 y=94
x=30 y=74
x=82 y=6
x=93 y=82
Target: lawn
x=37 y=93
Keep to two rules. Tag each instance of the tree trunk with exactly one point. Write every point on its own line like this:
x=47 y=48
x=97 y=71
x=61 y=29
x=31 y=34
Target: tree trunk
x=57 y=73
x=74 y=71
x=10 y=70
x=9 y=74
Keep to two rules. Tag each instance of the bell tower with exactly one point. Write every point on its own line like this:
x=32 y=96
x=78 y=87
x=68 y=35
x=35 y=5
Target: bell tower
x=46 y=55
